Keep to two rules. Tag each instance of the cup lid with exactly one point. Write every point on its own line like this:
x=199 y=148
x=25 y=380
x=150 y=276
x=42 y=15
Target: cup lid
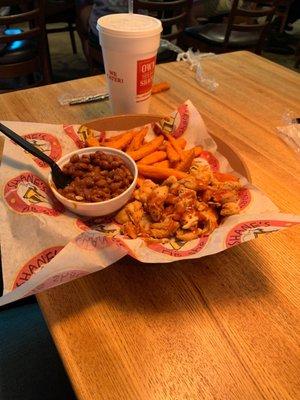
x=129 y=25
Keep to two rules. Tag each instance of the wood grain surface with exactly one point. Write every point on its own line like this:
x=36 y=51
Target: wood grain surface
x=223 y=327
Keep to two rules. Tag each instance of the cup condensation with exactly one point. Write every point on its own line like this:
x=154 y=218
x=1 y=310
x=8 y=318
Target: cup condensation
x=129 y=45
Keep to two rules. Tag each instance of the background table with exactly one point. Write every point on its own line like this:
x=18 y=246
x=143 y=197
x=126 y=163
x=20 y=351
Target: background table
x=222 y=327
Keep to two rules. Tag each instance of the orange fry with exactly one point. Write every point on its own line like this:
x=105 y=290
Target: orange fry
x=137 y=140
x=172 y=154
x=160 y=87
x=162 y=164
x=162 y=147
x=151 y=171
x=140 y=180
x=182 y=142
x=176 y=146
x=222 y=177
x=92 y=142
x=188 y=158
x=154 y=157
x=114 y=138
x=197 y=151
x=122 y=142
x=147 y=148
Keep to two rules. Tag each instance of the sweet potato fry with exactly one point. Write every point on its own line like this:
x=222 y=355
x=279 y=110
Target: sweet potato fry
x=172 y=154
x=140 y=180
x=176 y=146
x=223 y=177
x=137 y=140
x=92 y=142
x=122 y=142
x=147 y=148
x=162 y=164
x=160 y=87
x=188 y=158
x=113 y=138
x=162 y=147
x=182 y=142
x=156 y=156
x=151 y=171
x=197 y=151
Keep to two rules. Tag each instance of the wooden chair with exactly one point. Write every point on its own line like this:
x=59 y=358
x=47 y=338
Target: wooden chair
x=173 y=15
x=234 y=35
x=62 y=11
x=24 y=55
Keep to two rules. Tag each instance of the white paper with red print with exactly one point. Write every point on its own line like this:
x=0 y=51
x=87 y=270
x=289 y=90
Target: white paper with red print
x=43 y=245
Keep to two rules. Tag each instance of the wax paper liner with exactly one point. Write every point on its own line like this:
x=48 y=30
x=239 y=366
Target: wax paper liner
x=43 y=245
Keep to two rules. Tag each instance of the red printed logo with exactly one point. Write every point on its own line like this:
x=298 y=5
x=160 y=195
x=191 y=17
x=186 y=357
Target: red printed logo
x=244 y=198
x=249 y=230
x=175 y=125
x=47 y=143
x=181 y=121
x=145 y=71
x=69 y=130
x=211 y=159
x=91 y=240
x=27 y=193
x=178 y=248
x=35 y=264
x=103 y=225
x=58 y=279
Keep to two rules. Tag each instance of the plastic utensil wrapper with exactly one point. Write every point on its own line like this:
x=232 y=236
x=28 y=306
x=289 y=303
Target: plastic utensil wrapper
x=43 y=245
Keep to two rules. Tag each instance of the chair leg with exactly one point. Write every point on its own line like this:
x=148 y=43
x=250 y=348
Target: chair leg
x=72 y=37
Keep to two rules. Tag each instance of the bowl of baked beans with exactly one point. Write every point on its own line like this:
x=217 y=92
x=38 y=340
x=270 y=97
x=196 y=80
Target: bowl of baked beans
x=102 y=180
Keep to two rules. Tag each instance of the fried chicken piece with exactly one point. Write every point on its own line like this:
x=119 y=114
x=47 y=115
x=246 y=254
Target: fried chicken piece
x=144 y=191
x=228 y=185
x=230 y=208
x=164 y=229
x=131 y=212
x=191 y=182
x=169 y=181
x=201 y=171
x=156 y=200
x=130 y=230
x=210 y=218
x=187 y=235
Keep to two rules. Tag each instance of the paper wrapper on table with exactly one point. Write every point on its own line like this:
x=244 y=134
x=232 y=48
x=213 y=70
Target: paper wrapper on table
x=43 y=245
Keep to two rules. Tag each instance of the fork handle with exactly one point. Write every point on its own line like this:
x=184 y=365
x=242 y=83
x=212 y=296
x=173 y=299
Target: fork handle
x=26 y=145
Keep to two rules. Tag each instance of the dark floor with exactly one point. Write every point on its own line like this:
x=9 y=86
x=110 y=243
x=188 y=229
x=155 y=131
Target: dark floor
x=30 y=367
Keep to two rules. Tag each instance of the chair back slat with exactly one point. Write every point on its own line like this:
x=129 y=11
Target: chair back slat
x=250 y=11
x=173 y=14
x=17 y=18
x=31 y=15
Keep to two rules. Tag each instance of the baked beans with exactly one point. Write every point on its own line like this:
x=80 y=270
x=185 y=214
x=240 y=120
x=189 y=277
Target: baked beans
x=96 y=177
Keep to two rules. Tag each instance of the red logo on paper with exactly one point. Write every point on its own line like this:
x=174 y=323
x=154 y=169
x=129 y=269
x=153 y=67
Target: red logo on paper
x=69 y=129
x=47 y=143
x=244 y=198
x=145 y=71
x=249 y=230
x=183 y=114
x=100 y=224
x=91 y=240
x=27 y=193
x=178 y=248
x=35 y=264
x=211 y=159
x=58 y=279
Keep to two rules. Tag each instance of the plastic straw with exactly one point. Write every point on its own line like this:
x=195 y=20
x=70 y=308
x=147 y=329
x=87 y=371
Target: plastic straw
x=130 y=6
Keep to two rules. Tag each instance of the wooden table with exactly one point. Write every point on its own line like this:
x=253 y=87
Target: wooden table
x=222 y=327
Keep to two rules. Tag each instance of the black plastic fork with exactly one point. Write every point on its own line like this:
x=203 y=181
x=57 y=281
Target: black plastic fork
x=60 y=179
